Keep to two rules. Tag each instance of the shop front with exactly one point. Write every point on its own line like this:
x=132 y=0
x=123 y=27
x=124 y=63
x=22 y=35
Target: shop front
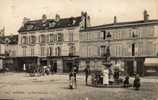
x=151 y=66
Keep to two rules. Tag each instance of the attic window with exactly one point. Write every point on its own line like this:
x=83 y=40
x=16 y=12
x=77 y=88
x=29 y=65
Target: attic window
x=52 y=24
x=44 y=24
x=29 y=27
x=7 y=40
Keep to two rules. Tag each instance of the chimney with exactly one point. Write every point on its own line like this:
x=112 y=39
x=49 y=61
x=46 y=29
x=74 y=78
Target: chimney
x=115 y=20
x=146 y=15
x=82 y=13
x=44 y=18
x=57 y=17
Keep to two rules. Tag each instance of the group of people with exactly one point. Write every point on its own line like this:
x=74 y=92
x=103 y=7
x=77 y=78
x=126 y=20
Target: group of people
x=39 y=70
x=106 y=78
x=136 y=82
x=73 y=79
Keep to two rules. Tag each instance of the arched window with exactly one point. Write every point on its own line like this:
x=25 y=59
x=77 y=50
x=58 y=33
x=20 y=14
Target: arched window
x=58 y=51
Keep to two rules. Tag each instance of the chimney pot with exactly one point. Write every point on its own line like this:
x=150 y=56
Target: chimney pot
x=115 y=19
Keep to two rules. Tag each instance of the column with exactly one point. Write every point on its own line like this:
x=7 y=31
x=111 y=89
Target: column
x=59 y=65
x=135 y=66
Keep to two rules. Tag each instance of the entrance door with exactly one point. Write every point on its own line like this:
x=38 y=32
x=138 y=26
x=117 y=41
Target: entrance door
x=68 y=65
x=130 y=69
x=54 y=64
x=44 y=62
x=140 y=67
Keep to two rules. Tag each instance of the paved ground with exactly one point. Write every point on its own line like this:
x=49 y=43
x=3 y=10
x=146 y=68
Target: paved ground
x=18 y=86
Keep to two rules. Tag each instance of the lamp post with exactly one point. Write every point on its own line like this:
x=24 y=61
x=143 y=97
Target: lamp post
x=108 y=48
x=107 y=55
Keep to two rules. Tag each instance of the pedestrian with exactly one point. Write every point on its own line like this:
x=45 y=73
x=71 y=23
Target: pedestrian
x=116 y=75
x=87 y=73
x=71 y=80
x=136 y=83
x=75 y=75
x=106 y=76
x=24 y=67
x=126 y=82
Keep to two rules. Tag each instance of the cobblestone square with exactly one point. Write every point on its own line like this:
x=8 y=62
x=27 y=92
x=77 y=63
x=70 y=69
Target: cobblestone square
x=19 y=86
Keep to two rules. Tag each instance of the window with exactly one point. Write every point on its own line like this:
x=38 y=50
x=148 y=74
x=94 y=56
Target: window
x=72 y=50
x=29 y=27
x=42 y=38
x=24 y=40
x=32 y=51
x=50 y=51
x=52 y=24
x=58 y=51
x=24 y=51
x=42 y=51
x=133 y=49
x=60 y=37
x=32 y=39
x=104 y=35
x=51 y=38
x=13 y=53
x=71 y=36
x=103 y=50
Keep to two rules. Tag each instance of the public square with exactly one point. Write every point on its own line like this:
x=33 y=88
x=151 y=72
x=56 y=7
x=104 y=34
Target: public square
x=19 y=86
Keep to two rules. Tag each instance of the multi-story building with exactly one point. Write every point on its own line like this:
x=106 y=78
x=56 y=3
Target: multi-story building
x=8 y=50
x=131 y=44
x=51 y=41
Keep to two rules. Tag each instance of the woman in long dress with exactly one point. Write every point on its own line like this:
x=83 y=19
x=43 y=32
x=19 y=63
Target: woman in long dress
x=105 y=76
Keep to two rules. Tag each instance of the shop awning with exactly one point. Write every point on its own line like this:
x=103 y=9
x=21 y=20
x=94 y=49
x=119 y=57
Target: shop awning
x=151 y=62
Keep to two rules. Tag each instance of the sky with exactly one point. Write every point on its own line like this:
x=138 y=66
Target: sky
x=12 y=12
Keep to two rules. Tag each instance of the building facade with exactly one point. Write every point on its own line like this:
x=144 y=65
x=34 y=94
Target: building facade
x=8 y=51
x=51 y=41
x=130 y=44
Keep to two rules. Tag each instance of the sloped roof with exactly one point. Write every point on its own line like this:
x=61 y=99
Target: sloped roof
x=50 y=24
x=122 y=25
x=11 y=39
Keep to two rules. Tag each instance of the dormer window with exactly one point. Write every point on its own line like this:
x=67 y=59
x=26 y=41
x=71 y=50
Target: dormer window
x=44 y=24
x=74 y=21
x=52 y=24
x=29 y=27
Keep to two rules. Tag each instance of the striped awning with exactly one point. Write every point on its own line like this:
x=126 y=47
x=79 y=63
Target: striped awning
x=151 y=62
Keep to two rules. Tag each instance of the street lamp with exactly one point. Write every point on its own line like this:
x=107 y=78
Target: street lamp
x=107 y=55
x=108 y=48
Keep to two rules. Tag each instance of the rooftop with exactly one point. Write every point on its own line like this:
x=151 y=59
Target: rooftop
x=10 y=39
x=122 y=25
x=34 y=25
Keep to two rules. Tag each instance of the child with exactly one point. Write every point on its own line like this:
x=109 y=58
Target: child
x=126 y=82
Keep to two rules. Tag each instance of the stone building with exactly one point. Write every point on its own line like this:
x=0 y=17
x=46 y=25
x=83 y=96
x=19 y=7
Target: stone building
x=8 y=50
x=51 y=41
x=131 y=44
